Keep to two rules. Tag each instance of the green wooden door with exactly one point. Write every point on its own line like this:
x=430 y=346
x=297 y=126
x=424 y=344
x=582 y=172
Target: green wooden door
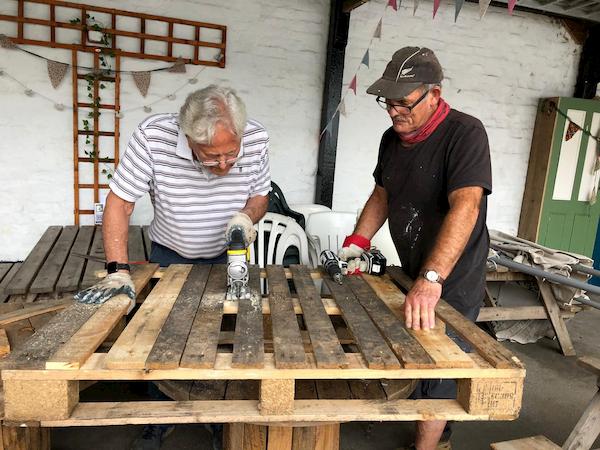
x=569 y=221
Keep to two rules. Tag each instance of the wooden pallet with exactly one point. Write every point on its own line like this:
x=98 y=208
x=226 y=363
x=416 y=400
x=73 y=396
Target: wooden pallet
x=186 y=330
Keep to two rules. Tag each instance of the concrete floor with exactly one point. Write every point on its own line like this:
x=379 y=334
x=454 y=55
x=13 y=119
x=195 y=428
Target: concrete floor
x=557 y=391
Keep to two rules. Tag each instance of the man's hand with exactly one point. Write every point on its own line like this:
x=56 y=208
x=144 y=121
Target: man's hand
x=112 y=285
x=419 y=306
x=244 y=222
x=353 y=247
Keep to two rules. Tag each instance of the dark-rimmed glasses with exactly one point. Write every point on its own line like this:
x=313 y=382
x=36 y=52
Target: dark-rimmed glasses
x=400 y=109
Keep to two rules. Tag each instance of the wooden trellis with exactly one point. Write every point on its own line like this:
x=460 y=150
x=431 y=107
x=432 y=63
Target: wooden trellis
x=179 y=40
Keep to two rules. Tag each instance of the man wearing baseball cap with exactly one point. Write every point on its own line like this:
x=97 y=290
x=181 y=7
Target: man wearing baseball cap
x=432 y=178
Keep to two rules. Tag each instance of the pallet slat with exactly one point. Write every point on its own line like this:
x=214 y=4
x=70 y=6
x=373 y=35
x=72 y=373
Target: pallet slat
x=9 y=276
x=325 y=345
x=287 y=340
x=170 y=343
x=91 y=267
x=30 y=267
x=248 y=344
x=71 y=273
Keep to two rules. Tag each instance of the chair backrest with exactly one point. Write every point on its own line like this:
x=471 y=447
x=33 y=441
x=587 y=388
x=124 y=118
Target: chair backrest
x=278 y=205
x=329 y=228
x=306 y=209
x=275 y=234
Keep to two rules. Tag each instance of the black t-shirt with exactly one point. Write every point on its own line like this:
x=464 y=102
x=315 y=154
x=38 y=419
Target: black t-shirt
x=418 y=180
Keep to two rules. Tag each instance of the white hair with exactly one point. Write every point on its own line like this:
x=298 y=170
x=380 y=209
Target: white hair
x=205 y=108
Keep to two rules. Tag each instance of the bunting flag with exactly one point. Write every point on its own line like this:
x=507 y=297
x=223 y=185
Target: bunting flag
x=436 y=5
x=483 y=7
x=416 y=5
x=178 y=66
x=365 y=59
x=571 y=130
x=353 y=84
x=393 y=4
x=377 y=33
x=5 y=42
x=342 y=108
x=511 y=6
x=458 y=4
x=56 y=72
x=142 y=81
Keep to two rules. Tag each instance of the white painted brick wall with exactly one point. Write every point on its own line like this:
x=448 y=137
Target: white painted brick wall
x=496 y=69
x=275 y=59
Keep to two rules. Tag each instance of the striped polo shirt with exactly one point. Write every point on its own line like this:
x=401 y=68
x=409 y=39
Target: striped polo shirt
x=192 y=206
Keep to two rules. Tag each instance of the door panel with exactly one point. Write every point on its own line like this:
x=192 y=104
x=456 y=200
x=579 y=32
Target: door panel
x=567 y=161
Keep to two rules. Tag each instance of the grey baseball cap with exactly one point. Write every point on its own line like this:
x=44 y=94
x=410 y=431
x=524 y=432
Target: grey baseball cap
x=409 y=68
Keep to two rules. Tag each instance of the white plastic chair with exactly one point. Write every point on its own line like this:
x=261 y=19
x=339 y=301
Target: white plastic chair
x=383 y=241
x=284 y=232
x=327 y=231
x=306 y=209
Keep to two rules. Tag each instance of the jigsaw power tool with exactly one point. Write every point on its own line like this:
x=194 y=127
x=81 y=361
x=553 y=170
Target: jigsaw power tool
x=237 y=266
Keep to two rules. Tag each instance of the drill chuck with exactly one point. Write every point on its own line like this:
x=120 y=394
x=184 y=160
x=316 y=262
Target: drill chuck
x=331 y=263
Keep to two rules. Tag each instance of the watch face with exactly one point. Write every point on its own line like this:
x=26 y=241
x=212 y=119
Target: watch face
x=431 y=275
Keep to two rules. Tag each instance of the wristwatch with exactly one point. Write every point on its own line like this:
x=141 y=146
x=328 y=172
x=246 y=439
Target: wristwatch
x=114 y=266
x=432 y=276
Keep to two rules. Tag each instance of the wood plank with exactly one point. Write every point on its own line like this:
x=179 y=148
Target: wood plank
x=9 y=276
x=73 y=269
x=24 y=277
x=208 y=390
x=333 y=389
x=135 y=244
x=48 y=275
x=147 y=242
x=33 y=310
x=325 y=344
x=372 y=345
x=4 y=344
x=587 y=428
x=328 y=437
x=92 y=267
x=242 y=390
x=92 y=333
x=590 y=363
x=201 y=348
x=4 y=269
x=170 y=343
x=233 y=436
x=404 y=345
x=491 y=350
x=366 y=389
x=528 y=443
x=306 y=389
x=232 y=411
x=498 y=313
x=279 y=438
x=135 y=343
x=562 y=334
x=287 y=340
x=248 y=344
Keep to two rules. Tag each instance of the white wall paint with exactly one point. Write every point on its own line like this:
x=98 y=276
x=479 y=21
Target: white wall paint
x=275 y=59
x=495 y=69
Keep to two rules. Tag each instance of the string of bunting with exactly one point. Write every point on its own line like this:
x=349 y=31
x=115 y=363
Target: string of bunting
x=394 y=4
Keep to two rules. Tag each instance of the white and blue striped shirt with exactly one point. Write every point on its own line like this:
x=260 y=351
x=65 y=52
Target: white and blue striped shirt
x=191 y=205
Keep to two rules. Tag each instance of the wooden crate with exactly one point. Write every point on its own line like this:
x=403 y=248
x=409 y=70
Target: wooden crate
x=186 y=330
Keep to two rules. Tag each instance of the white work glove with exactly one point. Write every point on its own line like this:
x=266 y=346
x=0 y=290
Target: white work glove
x=356 y=266
x=110 y=286
x=244 y=222
x=353 y=247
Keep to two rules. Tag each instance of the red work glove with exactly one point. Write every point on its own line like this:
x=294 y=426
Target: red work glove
x=353 y=247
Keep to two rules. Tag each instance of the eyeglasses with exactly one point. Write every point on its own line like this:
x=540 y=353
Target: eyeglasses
x=400 y=109
x=216 y=162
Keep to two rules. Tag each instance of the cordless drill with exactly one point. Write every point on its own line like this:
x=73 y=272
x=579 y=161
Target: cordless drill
x=333 y=265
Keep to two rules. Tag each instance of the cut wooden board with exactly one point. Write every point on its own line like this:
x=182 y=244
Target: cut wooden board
x=248 y=344
x=287 y=340
x=372 y=345
x=325 y=344
x=73 y=269
x=135 y=343
x=201 y=348
x=34 y=309
x=9 y=276
x=48 y=275
x=30 y=267
x=491 y=350
x=170 y=343
x=404 y=345
x=529 y=443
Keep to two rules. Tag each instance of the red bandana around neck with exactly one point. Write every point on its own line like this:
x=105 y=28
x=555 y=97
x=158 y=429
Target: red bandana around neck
x=428 y=127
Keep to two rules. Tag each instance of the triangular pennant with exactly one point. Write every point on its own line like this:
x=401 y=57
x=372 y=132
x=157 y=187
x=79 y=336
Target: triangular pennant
x=457 y=7
x=483 y=7
x=511 y=6
x=393 y=4
x=416 y=5
x=377 y=33
x=352 y=84
x=365 y=59
x=571 y=130
x=5 y=42
x=436 y=5
x=56 y=72
x=342 y=108
x=142 y=81
x=178 y=66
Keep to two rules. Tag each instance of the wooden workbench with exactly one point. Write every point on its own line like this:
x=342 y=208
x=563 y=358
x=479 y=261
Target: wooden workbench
x=284 y=343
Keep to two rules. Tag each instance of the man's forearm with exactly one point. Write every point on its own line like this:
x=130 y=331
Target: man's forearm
x=256 y=207
x=374 y=214
x=115 y=228
x=455 y=231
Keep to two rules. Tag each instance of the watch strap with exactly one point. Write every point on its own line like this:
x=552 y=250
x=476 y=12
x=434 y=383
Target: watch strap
x=114 y=266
